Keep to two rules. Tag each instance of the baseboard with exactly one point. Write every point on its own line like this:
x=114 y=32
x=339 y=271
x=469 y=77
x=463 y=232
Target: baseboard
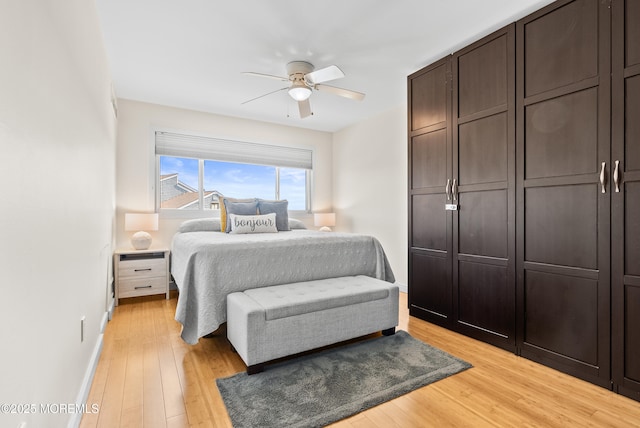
x=403 y=288
x=112 y=308
x=85 y=387
x=103 y=324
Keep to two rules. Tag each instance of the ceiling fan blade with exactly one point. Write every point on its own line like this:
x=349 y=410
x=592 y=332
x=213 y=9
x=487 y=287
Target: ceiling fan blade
x=269 y=76
x=324 y=75
x=269 y=93
x=305 y=108
x=347 y=93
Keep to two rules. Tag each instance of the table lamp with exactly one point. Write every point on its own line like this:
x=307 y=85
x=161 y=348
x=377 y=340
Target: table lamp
x=141 y=240
x=325 y=220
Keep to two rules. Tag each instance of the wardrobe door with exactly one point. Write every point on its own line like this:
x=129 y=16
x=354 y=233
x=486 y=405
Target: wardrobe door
x=429 y=170
x=484 y=193
x=563 y=145
x=626 y=198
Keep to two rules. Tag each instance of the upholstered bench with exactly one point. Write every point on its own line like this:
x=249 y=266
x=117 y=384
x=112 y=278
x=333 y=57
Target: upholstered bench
x=272 y=322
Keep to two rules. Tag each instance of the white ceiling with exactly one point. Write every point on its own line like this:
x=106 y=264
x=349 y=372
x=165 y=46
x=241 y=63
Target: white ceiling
x=191 y=53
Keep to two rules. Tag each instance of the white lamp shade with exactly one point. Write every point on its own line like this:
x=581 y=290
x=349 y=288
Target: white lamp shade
x=140 y=221
x=325 y=220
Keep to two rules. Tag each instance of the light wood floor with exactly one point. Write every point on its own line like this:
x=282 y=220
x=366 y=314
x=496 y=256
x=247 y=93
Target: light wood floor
x=148 y=377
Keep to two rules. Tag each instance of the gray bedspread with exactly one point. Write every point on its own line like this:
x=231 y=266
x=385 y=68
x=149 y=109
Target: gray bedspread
x=207 y=266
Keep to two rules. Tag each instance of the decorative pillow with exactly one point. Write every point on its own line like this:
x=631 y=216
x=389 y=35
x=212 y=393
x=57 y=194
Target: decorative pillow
x=253 y=223
x=296 y=224
x=280 y=208
x=200 y=225
x=223 y=210
x=239 y=208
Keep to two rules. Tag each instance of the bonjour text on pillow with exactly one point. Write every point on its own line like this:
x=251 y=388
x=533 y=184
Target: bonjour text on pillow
x=253 y=223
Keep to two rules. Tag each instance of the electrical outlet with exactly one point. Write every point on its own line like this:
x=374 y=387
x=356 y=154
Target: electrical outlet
x=82 y=329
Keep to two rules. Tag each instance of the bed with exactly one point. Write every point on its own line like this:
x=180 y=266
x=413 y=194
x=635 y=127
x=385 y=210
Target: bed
x=207 y=265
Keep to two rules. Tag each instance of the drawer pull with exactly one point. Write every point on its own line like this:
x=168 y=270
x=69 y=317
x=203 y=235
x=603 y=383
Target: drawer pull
x=141 y=270
x=142 y=286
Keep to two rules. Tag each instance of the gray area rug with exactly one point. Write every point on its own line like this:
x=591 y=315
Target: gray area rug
x=318 y=389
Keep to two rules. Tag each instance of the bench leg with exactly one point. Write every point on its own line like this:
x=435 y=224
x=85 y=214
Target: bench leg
x=256 y=368
x=389 y=332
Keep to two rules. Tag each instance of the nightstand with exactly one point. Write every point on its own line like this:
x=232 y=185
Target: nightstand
x=141 y=272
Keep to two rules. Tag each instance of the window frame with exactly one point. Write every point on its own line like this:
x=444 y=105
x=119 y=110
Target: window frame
x=201 y=212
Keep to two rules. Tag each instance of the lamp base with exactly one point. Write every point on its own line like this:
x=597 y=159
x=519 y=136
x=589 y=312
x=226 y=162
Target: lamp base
x=325 y=229
x=141 y=240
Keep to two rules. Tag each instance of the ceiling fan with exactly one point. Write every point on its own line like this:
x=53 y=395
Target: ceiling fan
x=303 y=79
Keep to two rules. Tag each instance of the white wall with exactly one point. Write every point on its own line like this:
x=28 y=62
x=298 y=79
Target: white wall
x=135 y=164
x=370 y=183
x=57 y=154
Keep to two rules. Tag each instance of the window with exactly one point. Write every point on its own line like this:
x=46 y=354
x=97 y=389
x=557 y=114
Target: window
x=194 y=172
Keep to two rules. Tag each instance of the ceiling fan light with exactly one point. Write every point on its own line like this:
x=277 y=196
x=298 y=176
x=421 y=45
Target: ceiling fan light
x=300 y=93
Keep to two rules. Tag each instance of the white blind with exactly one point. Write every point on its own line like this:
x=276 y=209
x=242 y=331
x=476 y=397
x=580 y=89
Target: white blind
x=191 y=146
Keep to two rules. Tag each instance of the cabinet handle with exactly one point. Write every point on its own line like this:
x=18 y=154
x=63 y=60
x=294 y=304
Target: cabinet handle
x=447 y=189
x=616 y=176
x=141 y=270
x=604 y=190
x=142 y=286
x=454 y=190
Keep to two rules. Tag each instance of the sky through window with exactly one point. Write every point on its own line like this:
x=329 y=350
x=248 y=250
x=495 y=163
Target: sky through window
x=240 y=180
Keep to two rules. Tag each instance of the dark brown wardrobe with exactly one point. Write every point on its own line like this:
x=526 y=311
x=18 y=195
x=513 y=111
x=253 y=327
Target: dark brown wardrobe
x=625 y=198
x=524 y=190
x=462 y=191
x=564 y=194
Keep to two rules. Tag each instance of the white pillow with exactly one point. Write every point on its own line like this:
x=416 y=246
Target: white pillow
x=253 y=223
x=200 y=225
x=296 y=224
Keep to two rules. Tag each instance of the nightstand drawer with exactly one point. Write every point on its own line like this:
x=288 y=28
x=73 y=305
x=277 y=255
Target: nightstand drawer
x=142 y=287
x=142 y=268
